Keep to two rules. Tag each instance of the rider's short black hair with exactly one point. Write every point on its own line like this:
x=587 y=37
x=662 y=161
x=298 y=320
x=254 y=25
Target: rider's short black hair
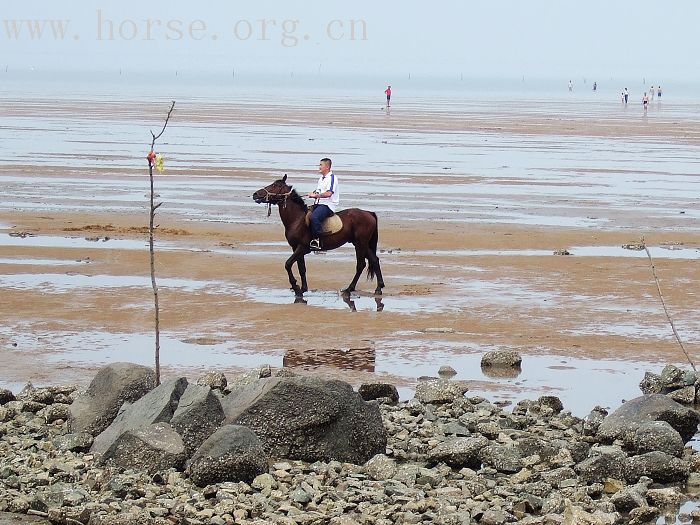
x=327 y=161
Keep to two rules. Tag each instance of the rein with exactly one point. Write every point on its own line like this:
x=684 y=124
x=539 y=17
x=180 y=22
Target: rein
x=283 y=199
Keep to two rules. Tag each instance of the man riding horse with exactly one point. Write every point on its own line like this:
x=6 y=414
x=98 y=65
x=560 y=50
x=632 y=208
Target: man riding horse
x=353 y=225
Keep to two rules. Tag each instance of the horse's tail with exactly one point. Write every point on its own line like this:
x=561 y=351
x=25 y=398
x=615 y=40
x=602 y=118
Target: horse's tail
x=373 y=241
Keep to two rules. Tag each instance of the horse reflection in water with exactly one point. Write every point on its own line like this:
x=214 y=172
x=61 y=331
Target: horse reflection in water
x=347 y=300
x=360 y=228
x=351 y=304
x=361 y=359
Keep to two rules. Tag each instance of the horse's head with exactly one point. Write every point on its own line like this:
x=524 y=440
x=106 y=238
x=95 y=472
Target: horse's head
x=275 y=193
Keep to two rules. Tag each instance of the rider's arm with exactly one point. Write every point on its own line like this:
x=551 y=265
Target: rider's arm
x=317 y=195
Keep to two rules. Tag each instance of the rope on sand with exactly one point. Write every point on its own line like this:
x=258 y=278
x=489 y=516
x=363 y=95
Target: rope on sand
x=663 y=303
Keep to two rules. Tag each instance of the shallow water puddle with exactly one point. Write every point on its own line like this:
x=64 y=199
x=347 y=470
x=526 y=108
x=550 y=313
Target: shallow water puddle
x=103 y=347
x=64 y=282
x=666 y=251
x=43 y=262
x=657 y=252
x=682 y=516
x=356 y=302
x=581 y=384
x=55 y=241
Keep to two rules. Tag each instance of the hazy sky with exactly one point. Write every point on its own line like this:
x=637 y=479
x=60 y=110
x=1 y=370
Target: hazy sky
x=535 y=38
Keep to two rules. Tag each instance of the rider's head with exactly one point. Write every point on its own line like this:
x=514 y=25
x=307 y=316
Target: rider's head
x=324 y=166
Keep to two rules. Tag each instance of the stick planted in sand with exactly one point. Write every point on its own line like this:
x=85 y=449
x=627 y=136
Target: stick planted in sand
x=151 y=228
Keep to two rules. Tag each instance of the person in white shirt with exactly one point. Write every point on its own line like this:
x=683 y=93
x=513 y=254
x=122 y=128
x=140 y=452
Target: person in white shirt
x=327 y=199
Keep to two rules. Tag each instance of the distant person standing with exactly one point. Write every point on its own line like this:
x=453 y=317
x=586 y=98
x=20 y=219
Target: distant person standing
x=571 y=86
x=658 y=92
x=651 y=93
x=626 y=95
x=645 y=102
x=387 y=92
x=595 y=86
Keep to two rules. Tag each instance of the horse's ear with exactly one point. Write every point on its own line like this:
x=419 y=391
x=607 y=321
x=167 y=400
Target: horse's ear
x=284 y=179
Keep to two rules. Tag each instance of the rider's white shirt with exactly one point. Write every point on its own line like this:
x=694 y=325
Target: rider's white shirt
x=329 y=182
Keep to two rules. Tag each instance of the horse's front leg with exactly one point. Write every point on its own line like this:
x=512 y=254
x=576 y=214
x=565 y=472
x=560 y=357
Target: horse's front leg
x=298 y=253
x=301 y=265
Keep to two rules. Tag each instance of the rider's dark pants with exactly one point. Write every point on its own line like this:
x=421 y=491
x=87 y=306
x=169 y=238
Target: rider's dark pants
x=320 y=213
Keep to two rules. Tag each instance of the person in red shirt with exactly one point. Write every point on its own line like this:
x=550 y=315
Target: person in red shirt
x=388 y=96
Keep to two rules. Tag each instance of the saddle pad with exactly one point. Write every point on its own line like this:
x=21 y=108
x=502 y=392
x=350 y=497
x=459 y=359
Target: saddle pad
x=332 y=224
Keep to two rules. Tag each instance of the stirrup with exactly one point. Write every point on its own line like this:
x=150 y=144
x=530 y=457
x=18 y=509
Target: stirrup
x=315 y=245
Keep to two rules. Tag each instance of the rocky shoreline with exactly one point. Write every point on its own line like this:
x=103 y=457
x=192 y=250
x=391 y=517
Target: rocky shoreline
x=449 y=459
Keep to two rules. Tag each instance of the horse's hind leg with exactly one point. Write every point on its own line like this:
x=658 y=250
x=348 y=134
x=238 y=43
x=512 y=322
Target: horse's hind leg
x=360 y=255
x=374 y=264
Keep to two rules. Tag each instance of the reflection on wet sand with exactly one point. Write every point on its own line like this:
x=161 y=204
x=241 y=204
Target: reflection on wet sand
x=360 y=359
x=501 y=372
x=347 y=299
x=351 y=303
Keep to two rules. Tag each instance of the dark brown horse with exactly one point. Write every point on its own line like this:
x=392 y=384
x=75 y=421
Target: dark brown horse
x=359 y=228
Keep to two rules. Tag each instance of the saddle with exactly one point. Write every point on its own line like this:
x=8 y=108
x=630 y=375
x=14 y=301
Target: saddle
x=329 y=226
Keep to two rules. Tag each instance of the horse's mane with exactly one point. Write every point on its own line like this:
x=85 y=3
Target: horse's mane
x=295 y=197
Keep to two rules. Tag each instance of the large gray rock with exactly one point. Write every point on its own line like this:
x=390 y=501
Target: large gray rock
x=684 y=395
x=501 y=358
x=132 y=517
x=651 y=384
x=657 y=435
x=504 y=458
x=659 y=466
x=459 y=452
x=232 y=453
x=439 y=391
x=153 y=448
x=74 y=442
x=672 y=377
x=158 y=406
x=629 y=498
x=198 y=415
x=381 y=468
x=592 y=421
x=624 y=422
x=309 y=418
x=6 y=396
x=603 y=462
x=213 y=379
x=113 y=385
x=371 y=391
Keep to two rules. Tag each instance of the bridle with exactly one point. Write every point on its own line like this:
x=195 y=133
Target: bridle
x=279 y=198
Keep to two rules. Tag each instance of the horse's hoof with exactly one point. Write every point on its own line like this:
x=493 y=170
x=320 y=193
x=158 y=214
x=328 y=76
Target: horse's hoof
x=346 y=292
x=378 y=291
x=304 y=289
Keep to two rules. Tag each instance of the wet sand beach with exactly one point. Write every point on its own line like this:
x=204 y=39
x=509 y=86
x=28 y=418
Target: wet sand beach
x=473 y=202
